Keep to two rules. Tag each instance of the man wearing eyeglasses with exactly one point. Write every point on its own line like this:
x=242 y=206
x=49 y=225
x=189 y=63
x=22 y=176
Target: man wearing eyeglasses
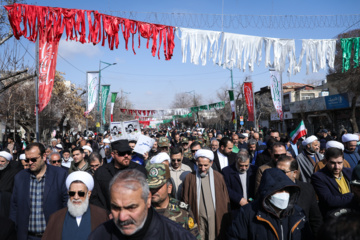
x=307 y=198
x=277 y=149
x=178 y=171
x=121 y=154
x=55 y=160
x=38 y=192
x=79 y=218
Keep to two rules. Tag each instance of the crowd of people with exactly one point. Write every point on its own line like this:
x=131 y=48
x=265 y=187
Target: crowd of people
x=192 y=184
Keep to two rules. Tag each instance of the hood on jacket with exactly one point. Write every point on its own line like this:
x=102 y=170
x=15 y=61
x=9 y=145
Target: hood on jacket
x=273 y=180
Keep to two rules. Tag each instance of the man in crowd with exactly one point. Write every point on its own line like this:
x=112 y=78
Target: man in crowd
x=307 y=198
x=240 y=180
x=154 y=150
x=242 y=142
x=121 y=154
x=251 y=147
x=332 y=182
x=164 y=144
x=224 y=156
x=194 y=147
x=331 y=144
x=186 y=148
x=13 y=147
x=24 y=163
x=264 y=156
x=79 y=163
x=160 y=186
x=38 y=192
x=178 y=171
x=309 y=157
x=176 y=141
x=133 y=217
x=214 y=145
x=66 y=159
x=275 y=134
x=87 y=150
x=275 y=214
x=55 y=160
x=351 y=152
x=235 y=140
x=95 y=161
x=206 y=193
x=278 y=149
x=79 y=218
x=8 y=170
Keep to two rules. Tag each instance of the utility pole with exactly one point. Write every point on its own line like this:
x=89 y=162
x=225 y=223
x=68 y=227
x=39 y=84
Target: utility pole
x=99 y=94
x=193 y=91
x=37 y=89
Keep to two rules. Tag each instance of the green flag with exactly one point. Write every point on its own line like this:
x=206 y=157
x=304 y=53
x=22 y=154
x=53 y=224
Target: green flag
x=105 y=89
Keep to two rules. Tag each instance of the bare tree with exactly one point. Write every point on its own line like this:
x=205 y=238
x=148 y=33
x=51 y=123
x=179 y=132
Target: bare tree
x=182 y=100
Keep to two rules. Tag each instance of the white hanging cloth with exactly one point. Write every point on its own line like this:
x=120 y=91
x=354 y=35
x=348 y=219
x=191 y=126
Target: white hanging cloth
x=318 y=51
x=237 y=50
x=198 y=41
x=282 y=49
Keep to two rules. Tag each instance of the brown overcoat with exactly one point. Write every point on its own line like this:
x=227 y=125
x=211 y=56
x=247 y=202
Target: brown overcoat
x=54 y=227
x=222 y=214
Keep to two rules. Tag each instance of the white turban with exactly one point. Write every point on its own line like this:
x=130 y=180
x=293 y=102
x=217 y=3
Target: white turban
x=204 y=153
x=309 y=140
x=59 y=146
x=106 y=140
x=88 y=148
x=6 y=155
x=350 y=137
x=335 y=144
x=82 y=176
x=22 y=156
x=53 y=140
x=159 y=158
x=246 y=134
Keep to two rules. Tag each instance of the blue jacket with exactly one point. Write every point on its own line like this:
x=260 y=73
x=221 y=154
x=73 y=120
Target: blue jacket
x=353 y=158
x=233 y=184
x=258 y=220
x=55 y=197
x=328 y=190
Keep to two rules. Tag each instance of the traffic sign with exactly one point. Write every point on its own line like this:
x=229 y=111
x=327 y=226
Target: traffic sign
x=241 y=122
x=97 y=124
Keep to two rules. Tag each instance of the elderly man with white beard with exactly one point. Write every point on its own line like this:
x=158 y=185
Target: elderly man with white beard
x=206 y=193
x=309 y=158
x=79 y=218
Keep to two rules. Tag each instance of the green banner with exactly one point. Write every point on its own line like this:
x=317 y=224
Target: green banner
x=182 y=116
x=194 y=109
x=167 y=121
x=203 y=107
x=105 y=89
x=217 y=105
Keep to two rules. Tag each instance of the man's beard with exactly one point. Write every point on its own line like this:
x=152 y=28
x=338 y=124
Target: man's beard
x=203 y=174
x=4 y=166
x=77 y=210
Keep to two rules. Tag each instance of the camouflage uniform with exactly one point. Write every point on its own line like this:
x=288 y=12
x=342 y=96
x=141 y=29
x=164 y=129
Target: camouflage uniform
x=177 y=211
x=187 y=153
x=180 y=212
x=164 y=142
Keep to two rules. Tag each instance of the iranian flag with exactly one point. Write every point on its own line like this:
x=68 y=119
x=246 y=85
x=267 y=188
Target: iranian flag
x=298 y=132
x=113 y=98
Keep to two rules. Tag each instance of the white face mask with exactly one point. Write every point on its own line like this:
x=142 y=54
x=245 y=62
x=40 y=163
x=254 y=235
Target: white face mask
x=280 y=200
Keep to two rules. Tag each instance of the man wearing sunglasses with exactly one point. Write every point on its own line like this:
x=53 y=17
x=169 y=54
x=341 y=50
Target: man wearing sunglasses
x=38 y=192
x=121 y=154
x=79 y=218
x=277 y=149
x=178 y=171
x=55 y=160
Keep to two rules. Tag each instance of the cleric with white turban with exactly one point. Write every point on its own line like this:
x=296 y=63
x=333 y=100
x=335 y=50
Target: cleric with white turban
x=6 y=155
x=351 y=150
x=161 y=158
x=335 y=144
x=81 y=176
x=204 y=153
x=80 y=218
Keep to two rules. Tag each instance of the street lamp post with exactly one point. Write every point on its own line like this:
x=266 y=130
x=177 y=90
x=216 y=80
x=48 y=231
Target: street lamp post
x=232 y=88
x=99 y=95
x=193 y=91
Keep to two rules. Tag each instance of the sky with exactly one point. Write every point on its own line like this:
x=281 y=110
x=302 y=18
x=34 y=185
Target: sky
x=153 y=83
